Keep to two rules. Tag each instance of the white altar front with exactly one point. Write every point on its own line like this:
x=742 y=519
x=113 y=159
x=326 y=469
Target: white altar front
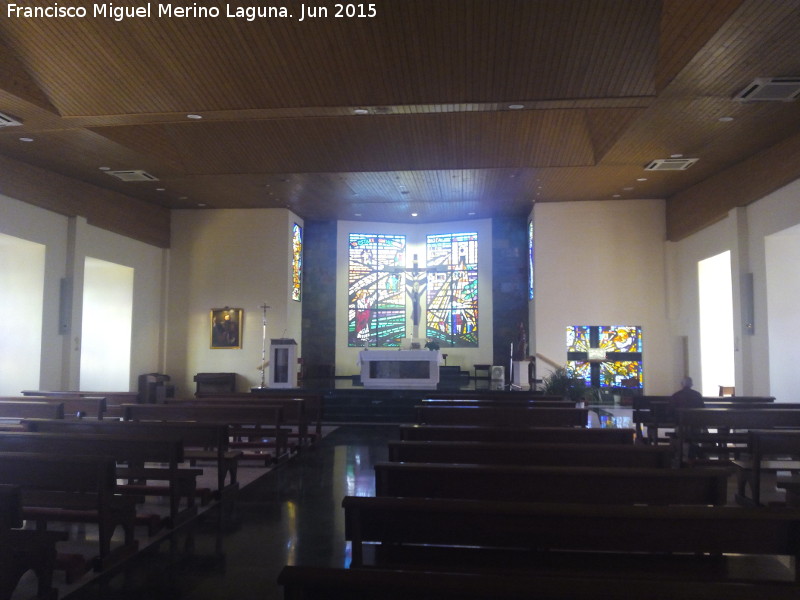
x=400 y=369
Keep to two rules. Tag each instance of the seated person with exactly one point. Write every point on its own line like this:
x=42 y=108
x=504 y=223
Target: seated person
x=686 y=397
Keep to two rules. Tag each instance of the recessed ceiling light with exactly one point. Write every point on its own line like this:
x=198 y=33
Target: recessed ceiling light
x=104 y=168
x=676 y=155
x=414 y=214
x=26 y=139
x=641 y=179
x=161 y=189
x=357 y=215
x=516 y=106
x=616 y=196
x=725 y=119
x=194 y=116
x=471 y=214
x=360 y=111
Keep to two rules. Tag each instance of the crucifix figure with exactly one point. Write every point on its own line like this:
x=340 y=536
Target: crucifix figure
x=416 y=282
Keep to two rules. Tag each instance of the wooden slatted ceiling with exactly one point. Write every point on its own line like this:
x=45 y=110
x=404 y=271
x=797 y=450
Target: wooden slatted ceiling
x=608 y=85
x=449 y=141
x=483 y=49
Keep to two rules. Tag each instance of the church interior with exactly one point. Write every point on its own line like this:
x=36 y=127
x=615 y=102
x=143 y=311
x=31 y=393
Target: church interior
x=370 y=204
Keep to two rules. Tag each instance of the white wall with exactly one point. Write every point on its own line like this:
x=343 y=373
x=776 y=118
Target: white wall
x=782 y=253
x=106 y=326
x=235 y=258
x=21 y=301
x=772 y=214
x=148 y=263
x=603 y=263
x=28 y=222
x=69 y=242
x=347 y=358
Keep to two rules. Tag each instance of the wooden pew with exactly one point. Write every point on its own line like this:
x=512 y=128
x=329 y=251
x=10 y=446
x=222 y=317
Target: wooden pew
x=477 y=402
x=770 y=451
x=504 y=395
x=594 y=485
x=330 y=583
x=13 y=411
x=22 y=550
x=114 y=400
x=294 y=411
x=76 y=489
x=730 y=425
x=133 y=451
x=254 y=429
x=201 y=441
x=503 y=416
x=314 y=403
x=542 y=435
x=542 y=538
x=504 y=453
x=75 y=407
x=651 y=413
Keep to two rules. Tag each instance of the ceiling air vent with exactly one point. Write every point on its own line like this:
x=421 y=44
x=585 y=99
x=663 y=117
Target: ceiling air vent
x=132 y=175
x=671 y=164
x=6 y=121
x=770 y=89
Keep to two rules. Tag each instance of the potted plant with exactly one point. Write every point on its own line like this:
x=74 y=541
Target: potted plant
x=563 y=382
x=432 y=345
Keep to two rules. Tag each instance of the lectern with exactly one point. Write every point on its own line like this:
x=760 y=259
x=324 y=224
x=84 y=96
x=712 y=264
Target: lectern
x=282 y=363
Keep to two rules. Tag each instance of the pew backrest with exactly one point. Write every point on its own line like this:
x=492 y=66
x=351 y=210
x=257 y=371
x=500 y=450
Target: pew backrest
x=199 y=439
x=587 y=455
x=92 y=407
x=572 y=527
x=548 y=435
x=503 y=416
x=29 y=409
x=595 y=485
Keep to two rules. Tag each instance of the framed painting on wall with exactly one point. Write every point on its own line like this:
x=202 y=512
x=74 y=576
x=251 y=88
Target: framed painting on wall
x=226 y=327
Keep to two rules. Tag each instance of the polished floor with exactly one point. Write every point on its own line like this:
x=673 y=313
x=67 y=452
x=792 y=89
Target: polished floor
x=291 y=515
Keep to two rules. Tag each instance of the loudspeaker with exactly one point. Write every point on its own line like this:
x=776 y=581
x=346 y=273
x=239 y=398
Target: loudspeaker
x=498 y=373
x=65 y=307
x=748 y=310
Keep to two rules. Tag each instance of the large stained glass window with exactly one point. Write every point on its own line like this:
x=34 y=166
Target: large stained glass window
x=376 y=296
x=606 y=356
x=452 y=289
x=530 y=260
x=297 y=261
